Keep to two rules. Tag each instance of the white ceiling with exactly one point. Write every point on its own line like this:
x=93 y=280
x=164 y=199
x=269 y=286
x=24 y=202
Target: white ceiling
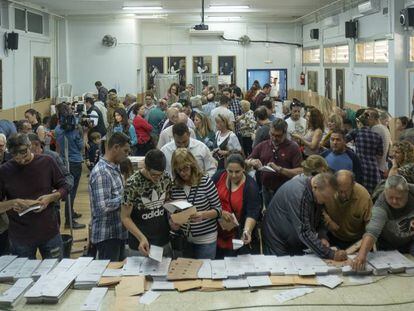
x=189 y=10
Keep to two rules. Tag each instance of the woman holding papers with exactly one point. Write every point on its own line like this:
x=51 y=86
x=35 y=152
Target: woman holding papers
x=240 y=200
x=192 y=185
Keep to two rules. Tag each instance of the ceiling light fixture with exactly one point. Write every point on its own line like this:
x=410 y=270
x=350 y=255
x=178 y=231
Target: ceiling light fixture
x=142 y=8
x=223 y=18
x=228 y=8
x=151 y=16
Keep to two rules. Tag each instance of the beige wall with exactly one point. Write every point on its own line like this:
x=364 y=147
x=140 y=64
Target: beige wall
x=17 y=113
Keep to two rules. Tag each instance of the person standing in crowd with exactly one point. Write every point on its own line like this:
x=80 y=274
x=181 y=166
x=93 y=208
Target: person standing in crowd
x=334 y=122
x=95 y=117
x=234 y=105
x=94 y=151
x=105 y=193
x=340 y=157
x=70 y=143
x=281 y=154
x=172 y=118
x=247 y=125
x=203 y=130
x=112 y=104
x=296 y=124
x=390 y=226
x=200 y=151
x=143 y=214
x=240 y=199
x=7 y=128
x=167 y=136
x=35 y=119
x=149 y=103
x=156 y=116
x=293 y=220
x=193 y=185
x=348 y=212
x=403 y=160
x=369 y=149
x=226 y=140
x=172 y=94
x=404 y=126
x=122 y=125
x=129 y=102
x=263 y=94
x=143 y=131
x=102 y=92
x=210 y=105
x=24 y=127
x=36 y=229
x=270 y=109
x=263 y=126
x=313 y=135
x=4 y=154
x=222 y=110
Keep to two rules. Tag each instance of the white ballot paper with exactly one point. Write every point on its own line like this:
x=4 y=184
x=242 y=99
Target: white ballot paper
x=292 y=294
x=94 y=299
x=237 y=244
x=32 y=208
x=162 y=285
x=259 y=281
x=330 y=281
x=267 y=168
x=178 y=205
x=12 y=295
x=156 y=253
x=149 y=297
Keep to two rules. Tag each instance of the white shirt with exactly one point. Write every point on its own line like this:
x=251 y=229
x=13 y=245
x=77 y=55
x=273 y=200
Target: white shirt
x=190 y=124
x=297 y=127
x=225 y=112
x=200 y=152
x=167 y=136
x=385 y=134
x=232 y=144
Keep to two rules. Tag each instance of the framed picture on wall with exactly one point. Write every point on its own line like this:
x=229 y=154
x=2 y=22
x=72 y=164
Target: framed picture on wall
x=41 y=78
x=178 y=65
x=411 y=91
x=313 y=81
x=227 y=69
x=328 y=83
x=340 y=87
x=377 y=92
x=155 y=65
x=202 y=64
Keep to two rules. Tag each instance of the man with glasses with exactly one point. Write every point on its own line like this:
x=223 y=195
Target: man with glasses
x=105 y=192
x=143 y=213
x=282 y=155
x=31 y=180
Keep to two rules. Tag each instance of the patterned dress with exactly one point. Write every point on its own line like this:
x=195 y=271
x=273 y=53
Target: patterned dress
x=368 y=145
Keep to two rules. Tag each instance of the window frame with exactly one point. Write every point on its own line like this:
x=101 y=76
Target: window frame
x=335 y=57
x=374 y=60
x=26 y=30
x=314 y=48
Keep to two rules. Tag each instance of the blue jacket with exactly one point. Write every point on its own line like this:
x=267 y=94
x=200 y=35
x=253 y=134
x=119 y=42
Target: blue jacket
x=75 y=144
x=7 y=128
x=356 y=164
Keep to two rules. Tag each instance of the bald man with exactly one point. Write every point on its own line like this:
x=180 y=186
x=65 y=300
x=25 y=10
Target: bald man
x=166 y=135
x=348 y=212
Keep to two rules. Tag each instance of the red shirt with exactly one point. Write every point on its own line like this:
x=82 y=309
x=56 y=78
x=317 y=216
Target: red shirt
x=143 y=129
x=232 y=203
x=287 y=155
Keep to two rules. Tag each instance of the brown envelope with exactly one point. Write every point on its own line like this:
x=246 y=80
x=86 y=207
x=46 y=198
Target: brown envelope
x=183 y=286
x=184 y=269
x=308 y=280
x=208 y=285
x=182 y=217
x=130 y=286
x=116 y=265
x=281 y=280
x=226 y=225
x=109 y=281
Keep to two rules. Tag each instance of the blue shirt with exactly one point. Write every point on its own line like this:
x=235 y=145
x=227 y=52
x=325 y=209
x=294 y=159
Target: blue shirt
x=7 y=128
x=337 y=162
x=75 y=144
x=131 y=133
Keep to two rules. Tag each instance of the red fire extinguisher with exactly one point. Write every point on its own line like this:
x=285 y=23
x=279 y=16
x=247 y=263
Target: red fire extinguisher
x=302 y=78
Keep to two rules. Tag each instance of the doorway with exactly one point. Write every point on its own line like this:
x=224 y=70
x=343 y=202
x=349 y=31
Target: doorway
x=268 y=76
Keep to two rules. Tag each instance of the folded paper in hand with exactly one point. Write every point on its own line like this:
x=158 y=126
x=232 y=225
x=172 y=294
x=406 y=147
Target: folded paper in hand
x=156 y=252
x=32 y=208
x=237 y=244
x=182 y=217
x=177 y=206
x=267 y=168
x=228 y=225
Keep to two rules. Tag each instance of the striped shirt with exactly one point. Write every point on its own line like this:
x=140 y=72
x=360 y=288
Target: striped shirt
x=204 y=197
x=105 y=192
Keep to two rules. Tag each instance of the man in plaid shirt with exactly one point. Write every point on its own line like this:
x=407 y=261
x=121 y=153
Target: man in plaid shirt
x=106 y=190
x=234 y=105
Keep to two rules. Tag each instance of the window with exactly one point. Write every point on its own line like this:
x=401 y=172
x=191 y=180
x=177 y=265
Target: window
x=411 y=49
x=372 y=52
x=312 y=56
x=336 y=54
x=28 y=21
x=20 y=19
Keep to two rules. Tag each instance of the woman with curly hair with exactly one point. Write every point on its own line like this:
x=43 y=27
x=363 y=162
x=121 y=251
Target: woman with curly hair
x=335 y=121
x=313 y=134
x=403 y=161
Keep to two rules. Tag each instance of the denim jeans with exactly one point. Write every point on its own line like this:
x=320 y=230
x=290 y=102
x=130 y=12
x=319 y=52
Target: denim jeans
x=201 y=251
x=75 y=169
x=112 y=249
x=52 y=248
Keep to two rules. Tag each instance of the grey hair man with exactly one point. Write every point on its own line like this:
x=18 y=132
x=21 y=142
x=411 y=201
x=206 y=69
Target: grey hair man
x=392 y=222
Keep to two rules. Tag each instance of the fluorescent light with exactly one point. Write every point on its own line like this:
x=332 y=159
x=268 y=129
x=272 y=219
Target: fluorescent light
x=228 y=8
x=142 y=8
x=151 y=16
x=223 y=18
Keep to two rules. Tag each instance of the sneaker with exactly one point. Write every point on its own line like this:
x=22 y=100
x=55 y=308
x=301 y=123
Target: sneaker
x=75 y=225
x=76 y=215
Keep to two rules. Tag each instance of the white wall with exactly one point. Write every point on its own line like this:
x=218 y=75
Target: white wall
x=173 y=40
x=89 y=60
x=17 y=72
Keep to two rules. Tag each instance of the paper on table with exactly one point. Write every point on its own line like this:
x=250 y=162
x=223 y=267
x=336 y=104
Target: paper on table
x=330 y=281
x=32 y=208
x=112 y=272
x=184 y=269
x=179 y=205
x=156 y=253
x=162 y=285
x=182 y=217
x=183 y=286
x=126 y=303
x=94 y=299
x=292 y=294
x=131 y=286
x=211 y=285
x=267 y=168
x=359 y=279
x=235 y=283
x=205 y=271
x=109 y=281
x=237 y=244
x=259 y=281
x=149 y=297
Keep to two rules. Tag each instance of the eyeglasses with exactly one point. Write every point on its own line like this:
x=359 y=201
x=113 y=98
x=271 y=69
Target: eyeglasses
x=21 y=152
x=184 y=169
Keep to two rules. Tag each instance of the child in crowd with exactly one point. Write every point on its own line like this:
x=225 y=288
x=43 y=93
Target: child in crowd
x=94 y=151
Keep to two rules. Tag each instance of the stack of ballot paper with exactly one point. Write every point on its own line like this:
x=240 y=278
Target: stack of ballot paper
x=385 y=262
x=90 y=277
x=180 y=210
x=27 y=269
x=131 y=267
x=11 y=297
x=6 y=260
x=44 y=268
x=151 y=267
x=9 y=272
x=94 y=299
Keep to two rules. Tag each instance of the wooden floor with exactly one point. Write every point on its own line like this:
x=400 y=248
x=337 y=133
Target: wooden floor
x=81 y=206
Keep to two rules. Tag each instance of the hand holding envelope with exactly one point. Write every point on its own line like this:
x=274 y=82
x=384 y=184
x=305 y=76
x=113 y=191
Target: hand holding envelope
x=228 y=221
